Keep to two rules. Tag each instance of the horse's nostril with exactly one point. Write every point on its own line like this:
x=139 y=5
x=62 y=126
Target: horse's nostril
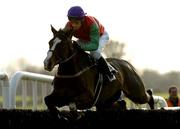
x=47 y=65
x=47 y=68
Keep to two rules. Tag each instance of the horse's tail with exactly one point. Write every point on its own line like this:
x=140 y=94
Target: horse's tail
x=134 y=87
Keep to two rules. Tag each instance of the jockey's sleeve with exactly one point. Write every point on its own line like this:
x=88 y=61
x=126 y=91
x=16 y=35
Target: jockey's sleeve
x=93 y=44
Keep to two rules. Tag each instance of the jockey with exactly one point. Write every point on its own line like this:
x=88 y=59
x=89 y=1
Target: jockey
x=91 y=36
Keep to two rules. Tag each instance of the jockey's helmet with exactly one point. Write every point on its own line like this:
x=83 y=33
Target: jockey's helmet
x=76 y=12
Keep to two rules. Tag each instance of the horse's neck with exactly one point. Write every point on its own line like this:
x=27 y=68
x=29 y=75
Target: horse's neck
x=84 y=60
x=67 y=68
x=75 y=65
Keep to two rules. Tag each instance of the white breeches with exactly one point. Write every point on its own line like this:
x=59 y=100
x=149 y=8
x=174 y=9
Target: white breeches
x=102 y=42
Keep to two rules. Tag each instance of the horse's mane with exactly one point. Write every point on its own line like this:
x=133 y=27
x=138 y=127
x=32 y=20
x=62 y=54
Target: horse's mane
x=64 y=34
x=85 y=57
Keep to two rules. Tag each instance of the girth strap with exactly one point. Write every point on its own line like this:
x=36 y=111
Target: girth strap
x=98 y=89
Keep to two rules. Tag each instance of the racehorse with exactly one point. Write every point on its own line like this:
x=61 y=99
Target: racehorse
x=79 y=83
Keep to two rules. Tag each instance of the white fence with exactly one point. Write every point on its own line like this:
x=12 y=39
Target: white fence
x=4 y=85
x=30 y=88
x=27 y=90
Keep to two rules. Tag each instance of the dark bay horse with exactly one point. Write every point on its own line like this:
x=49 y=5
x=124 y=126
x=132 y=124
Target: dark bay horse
x=78 y=80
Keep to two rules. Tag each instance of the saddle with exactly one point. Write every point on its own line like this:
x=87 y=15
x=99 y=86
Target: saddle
x=91 y=61
x=112 y=69
x=94 y=61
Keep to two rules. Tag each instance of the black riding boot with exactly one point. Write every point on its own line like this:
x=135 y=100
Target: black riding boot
x=103 y=67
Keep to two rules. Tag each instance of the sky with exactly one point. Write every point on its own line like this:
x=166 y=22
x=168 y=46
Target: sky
x=150 y=29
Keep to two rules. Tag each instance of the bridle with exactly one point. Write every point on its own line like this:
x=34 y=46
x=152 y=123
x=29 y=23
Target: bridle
x=61 y=61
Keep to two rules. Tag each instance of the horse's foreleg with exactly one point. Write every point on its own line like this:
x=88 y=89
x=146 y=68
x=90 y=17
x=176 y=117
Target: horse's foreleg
x=84 y=101
x=73 y=111
x=50 y=102
x=72 y=106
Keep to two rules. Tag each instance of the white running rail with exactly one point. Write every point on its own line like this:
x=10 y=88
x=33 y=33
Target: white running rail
x=25 y=81
x=4 y=84
x=22 y=84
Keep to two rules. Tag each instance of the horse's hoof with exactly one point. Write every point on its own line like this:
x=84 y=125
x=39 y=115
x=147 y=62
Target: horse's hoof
x=75 y=115
x=65 y=116
x=80 y=115
x=120 y=105
x=70 y=116
x=61 y=116
x=150 y=92
x=151 y=100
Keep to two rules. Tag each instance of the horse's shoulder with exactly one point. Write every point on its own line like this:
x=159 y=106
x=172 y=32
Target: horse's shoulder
x=119 y=63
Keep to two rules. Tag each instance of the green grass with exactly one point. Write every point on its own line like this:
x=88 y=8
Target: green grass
x=164 y=95
x=29 y=102
x=1 y=101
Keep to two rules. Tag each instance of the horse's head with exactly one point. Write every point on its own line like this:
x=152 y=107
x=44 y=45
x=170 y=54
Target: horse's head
x=60 y=48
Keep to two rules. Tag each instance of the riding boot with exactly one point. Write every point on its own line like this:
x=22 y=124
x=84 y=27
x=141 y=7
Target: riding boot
x=104 y=68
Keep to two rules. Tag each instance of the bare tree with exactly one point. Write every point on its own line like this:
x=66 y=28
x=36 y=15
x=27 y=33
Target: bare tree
x=114 y=49
x=160 y=82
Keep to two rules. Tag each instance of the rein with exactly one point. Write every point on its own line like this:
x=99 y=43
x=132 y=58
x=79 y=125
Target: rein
x=74 y=75
x=67 y=59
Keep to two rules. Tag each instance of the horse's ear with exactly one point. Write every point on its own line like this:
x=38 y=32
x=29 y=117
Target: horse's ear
x=53 y=30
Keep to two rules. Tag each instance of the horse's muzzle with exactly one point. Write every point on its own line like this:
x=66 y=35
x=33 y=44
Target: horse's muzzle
x=47 y=65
